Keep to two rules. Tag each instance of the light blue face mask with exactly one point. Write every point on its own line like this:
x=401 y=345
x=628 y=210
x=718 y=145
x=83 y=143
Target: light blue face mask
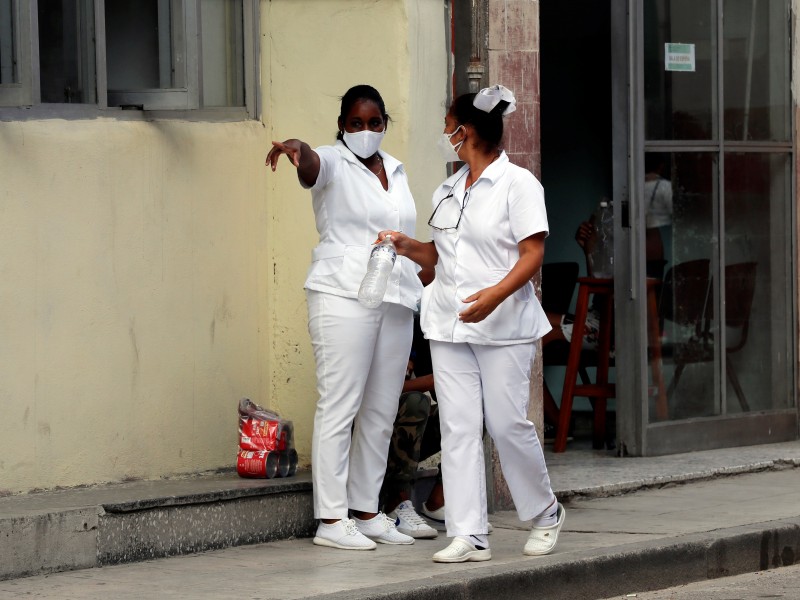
x=448 y=151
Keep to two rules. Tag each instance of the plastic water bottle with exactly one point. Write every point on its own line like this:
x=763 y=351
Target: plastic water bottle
x=381 y=261
x=602 y=254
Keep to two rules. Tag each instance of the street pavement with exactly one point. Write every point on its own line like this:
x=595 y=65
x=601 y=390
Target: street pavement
x=694 y=517
x=778 y=583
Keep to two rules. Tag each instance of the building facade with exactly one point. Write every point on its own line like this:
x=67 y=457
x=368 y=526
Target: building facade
x=153 y=267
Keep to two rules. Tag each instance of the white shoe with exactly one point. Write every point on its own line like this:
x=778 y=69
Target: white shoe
x=343 y=535
x=461 y=550
x=436 y=518
x=381 y=529
x=542 y=540
x=410 y=523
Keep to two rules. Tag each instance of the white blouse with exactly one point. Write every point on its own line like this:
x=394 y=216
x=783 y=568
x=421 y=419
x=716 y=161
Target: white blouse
x=503 y=207
x=350 y=208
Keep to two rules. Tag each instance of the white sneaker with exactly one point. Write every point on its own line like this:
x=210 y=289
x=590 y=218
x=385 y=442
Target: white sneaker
x=344 y=535
x=461 y=550
x=381 y=529
x=409 y=522
x=436 y=518
x=542 y=540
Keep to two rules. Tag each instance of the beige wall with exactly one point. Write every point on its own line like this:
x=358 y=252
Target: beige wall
x=131 y=297
x=396 y=46
x=152 y=271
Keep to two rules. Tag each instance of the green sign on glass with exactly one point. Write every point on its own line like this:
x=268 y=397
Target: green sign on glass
x=679 y=57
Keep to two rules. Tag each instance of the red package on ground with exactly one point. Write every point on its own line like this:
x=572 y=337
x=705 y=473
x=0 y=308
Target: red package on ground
x=262 y=463
x=257 y=463
x=266 y=443
x=259 y=435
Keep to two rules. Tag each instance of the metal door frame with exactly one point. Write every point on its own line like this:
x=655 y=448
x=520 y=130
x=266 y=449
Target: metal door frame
x=636 y=436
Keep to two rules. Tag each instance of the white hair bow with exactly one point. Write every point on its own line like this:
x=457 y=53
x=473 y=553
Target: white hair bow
x=488 y=98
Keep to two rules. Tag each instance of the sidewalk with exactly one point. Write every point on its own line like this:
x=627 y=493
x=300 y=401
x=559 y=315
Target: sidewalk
x=663 y=534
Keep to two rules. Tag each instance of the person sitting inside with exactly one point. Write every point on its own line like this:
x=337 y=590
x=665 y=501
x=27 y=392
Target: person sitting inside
x=416 y=437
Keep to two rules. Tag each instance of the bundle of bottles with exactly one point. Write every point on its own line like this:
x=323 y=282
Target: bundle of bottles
x=266 y=443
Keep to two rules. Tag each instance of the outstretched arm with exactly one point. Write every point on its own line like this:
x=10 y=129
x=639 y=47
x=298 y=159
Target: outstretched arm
x=301 y=156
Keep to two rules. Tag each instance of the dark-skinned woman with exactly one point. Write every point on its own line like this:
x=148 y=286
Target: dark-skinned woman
x=361 y=353
x=482 y=319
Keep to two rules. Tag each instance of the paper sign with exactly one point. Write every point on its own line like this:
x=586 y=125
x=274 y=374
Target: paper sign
x=679 y=57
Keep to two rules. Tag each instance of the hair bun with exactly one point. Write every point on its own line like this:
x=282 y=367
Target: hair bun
x=489 y=98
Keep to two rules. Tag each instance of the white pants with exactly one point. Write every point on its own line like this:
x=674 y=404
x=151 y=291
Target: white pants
x=361 y=355
x=476 y=382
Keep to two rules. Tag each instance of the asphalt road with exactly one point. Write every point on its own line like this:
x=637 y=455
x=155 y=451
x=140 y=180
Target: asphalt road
x=783 y=583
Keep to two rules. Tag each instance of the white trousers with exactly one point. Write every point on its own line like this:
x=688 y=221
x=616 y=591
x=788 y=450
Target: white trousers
x=361 y=355
x=476 y=383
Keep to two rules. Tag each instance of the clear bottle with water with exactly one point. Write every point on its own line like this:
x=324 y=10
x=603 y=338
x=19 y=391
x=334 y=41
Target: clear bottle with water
x=602 y=254
x=381 y=261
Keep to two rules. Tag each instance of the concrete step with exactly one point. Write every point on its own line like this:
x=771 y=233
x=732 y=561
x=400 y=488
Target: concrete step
x=97 y=526
x=62 y=530
x=610 y=547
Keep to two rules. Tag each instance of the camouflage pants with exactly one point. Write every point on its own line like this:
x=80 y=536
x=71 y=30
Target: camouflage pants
x=416 y=436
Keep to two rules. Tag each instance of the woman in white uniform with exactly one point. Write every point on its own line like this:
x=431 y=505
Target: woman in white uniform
x=480 y=313
x=361 y=353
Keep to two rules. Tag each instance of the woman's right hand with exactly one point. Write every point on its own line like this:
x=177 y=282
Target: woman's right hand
x=422 y=253
x=291 y=148
x=402 y=242
x=301 y=156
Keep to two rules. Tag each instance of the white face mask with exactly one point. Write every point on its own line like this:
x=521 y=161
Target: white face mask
x=448 y=151
x=364 y=143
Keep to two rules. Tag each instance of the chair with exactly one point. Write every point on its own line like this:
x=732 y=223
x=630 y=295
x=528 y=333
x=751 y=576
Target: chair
x=558 y=287
x=577 y=359
x=687 y=299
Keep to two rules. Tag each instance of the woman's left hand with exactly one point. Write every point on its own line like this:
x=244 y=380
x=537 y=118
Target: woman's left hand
x=483 y=304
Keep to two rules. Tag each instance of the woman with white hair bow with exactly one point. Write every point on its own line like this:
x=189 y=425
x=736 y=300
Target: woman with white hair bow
x=482 y=318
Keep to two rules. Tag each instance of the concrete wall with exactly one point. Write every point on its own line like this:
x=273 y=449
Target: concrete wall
x=131 y=297
x=513 y=57
x=796 y=105
x=152 y=271
x=399 y=48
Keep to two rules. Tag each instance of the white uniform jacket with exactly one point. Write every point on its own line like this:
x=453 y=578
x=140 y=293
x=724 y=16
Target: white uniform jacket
x=350 y=208
x=503 y=207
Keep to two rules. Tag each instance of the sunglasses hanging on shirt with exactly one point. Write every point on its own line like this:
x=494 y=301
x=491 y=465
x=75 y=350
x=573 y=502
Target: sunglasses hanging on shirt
x=441 y=221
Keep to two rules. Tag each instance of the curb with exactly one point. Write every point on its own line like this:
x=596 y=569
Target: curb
x=609 y=572
x=660 y=481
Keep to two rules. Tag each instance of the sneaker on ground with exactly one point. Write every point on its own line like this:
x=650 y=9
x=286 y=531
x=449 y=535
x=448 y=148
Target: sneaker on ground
x=436 y=518
x=381 y=529
x=462 y=550
x=343 y=535
x=409 y=522
x=542 y=540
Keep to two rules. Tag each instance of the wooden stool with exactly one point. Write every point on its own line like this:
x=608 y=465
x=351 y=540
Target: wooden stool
x=601 y=390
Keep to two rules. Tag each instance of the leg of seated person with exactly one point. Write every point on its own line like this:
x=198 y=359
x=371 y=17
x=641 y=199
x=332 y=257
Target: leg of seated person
x=556 y=333
x=431 y=444
x=404 y=450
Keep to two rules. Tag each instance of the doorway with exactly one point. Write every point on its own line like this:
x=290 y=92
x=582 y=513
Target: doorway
x=576 y=141
x=691 y=97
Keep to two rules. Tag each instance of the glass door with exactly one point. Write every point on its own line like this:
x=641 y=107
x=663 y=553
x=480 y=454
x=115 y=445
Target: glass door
x=704 y=280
